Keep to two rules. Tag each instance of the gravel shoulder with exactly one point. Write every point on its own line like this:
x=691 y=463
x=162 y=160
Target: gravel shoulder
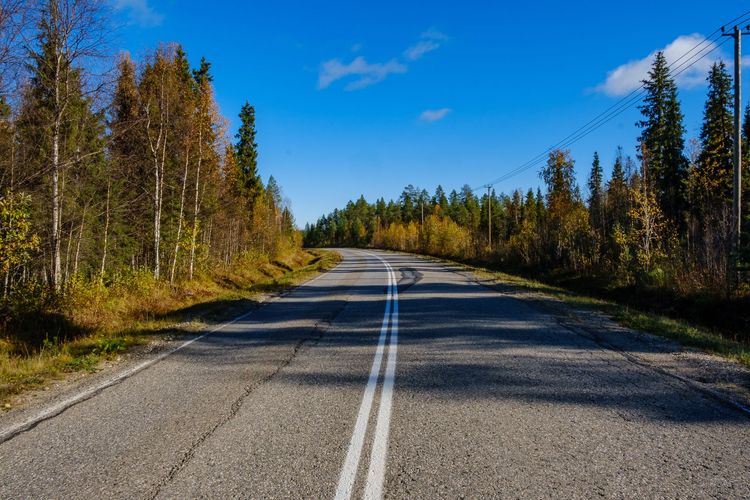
x=721 y=378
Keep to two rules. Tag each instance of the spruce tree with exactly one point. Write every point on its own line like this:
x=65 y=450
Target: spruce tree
x=745 y=243
x=6 y=147
x=595 y=195
x=617 y=193
x=439 y=199
x=129 y=175
x=713 y=175
x=662 y=140
x=60 y=136
x=246 y=156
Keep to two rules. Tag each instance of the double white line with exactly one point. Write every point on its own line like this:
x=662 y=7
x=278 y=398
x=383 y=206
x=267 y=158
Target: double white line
x=376 y=471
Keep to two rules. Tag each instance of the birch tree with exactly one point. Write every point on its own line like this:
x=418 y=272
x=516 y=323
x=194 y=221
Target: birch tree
x=70 y=34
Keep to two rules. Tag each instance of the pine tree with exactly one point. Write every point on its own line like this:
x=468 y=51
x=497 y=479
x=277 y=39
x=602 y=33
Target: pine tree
x=662 y=137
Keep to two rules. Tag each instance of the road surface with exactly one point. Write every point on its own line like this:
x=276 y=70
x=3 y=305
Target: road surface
x=388 y=376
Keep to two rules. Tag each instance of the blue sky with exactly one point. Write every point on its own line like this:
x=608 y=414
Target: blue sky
x=366 y=97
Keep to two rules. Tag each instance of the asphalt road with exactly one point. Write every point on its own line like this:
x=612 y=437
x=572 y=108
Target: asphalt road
x=353 y=385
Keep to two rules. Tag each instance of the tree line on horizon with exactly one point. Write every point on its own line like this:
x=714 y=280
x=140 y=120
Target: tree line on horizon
x=662 y=220
x=104 y=174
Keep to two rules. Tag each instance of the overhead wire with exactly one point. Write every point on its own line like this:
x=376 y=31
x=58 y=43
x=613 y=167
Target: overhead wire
x=625 y=102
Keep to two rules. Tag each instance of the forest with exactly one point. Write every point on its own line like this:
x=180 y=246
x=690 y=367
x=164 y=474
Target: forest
x=657 y=232
x=116 y=174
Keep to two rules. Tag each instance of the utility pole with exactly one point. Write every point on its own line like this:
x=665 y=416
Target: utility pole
x=489 y=215
x=736 y=230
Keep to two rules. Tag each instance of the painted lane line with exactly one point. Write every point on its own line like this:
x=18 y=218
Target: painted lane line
x=56 y=409
x=60 y=407
x=376 y=473
x=354 y=452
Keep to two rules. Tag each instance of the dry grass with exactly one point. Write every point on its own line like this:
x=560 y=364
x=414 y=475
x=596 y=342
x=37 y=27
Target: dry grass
x=100 y=323
x=680 y=330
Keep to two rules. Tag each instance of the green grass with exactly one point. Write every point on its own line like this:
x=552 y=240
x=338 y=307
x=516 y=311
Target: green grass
x=679 y=330
x=98 y=324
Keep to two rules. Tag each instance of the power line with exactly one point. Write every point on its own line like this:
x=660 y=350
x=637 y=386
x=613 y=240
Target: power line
x=625 y=102
x=611 y=112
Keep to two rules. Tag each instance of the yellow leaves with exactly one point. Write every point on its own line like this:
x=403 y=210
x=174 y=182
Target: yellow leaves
x=439 y=236
x=446 y=238
x=17 y=243
x=648 y=229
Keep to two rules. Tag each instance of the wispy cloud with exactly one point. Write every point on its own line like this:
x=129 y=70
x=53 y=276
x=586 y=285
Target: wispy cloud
x=363 y=74
x=629 y=76
x=433 y=115
x=139 y=12
x=428 y=41
x=366 y=73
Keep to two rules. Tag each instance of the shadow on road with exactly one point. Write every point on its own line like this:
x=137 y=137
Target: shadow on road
x=457 y=341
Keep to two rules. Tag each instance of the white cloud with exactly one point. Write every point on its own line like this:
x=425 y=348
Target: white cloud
x=419 y=49
x=428 y=41
x=628 y=76
x=433 y=34
x=366 y=74
x=433 y=115
x=139 y=12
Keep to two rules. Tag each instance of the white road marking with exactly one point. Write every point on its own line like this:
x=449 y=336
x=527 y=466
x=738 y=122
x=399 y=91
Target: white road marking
x=376 y=470
x=353 y=454
x=56 y=409
x=376 y=474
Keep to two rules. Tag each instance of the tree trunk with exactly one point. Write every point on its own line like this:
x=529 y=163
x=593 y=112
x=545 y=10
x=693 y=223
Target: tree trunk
x=181 y=216
x=155 y=145
x=65 y=275
x=196 y=207
x=56 y=198
x=56 y=274
x=78 y=243
x=106 y=232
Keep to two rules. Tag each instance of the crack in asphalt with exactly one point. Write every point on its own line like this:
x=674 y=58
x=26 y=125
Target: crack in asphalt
x=571 y=322
x=320 y=328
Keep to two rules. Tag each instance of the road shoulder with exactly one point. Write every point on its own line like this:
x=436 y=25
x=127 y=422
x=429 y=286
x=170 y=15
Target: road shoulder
x=718 y=377
x=32 y=406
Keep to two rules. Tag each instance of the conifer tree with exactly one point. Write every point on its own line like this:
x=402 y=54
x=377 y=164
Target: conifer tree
x=246 y=157
x=712 y=181
x=617 y=193
x=206 y=140
x=596 y=197
x=745 y=228
x=126 y=207
x=6 y=147
x=439 y=199
x=663 y=138
x=55 y=112
x=563 y=206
